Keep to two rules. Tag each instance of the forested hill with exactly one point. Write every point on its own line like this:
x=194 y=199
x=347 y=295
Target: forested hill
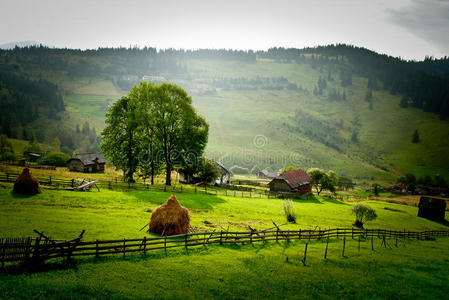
x=337 y=107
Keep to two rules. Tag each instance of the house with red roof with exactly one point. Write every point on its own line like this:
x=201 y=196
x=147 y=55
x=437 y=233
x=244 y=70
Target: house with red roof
x=296 y=181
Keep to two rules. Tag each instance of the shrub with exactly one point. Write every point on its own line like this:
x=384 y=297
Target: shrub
x=239 y=170
x=57 y=159
x=289 y=211
x=363 y=213
x=209 y=171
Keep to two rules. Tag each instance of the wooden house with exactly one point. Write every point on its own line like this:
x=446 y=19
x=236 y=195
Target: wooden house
x=225 y=174
x=296 y=181
x=87 y=162
x=267 y=175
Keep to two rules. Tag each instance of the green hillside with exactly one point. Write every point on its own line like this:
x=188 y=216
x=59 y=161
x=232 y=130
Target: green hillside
x=270 y=112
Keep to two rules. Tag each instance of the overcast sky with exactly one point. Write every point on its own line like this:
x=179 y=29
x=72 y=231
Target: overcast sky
x=407 y=28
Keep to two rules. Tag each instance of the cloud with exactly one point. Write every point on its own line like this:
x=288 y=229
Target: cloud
x=426 y=19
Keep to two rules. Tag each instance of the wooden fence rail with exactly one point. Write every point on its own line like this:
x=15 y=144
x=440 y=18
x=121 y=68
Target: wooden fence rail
x=32 y=250
x=124 y=186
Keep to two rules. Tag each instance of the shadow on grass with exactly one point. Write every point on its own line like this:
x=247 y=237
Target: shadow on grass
x=187 y=199
x=308 y=199
x=20 y=196
x=334 y=201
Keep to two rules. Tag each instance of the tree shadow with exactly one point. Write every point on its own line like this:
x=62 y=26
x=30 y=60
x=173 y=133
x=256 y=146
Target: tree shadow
x=308 y=199
x=190 y=200
x=334 y=201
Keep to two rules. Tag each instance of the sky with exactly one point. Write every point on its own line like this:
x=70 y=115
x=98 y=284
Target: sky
x=411 y=29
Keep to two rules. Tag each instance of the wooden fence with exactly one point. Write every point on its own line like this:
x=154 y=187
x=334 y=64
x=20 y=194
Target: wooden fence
x=38 y=250
x=125 y=186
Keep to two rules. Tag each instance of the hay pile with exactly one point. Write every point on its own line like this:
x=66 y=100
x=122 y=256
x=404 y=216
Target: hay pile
x=170 y=218
x=26 y=184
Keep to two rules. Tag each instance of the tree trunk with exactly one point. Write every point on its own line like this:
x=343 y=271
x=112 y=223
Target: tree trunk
x=152 y=171
x=168 y=174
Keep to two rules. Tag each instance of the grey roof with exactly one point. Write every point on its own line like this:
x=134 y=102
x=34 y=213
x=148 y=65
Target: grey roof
x=89 y=158
x=224 y=171
x=268 y=174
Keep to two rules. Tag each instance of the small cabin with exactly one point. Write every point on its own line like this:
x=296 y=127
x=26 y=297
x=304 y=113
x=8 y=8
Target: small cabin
x=33 y=157
x=432 y=208
x=296 y=181
x=87 y=163
x=225 y=174
x=267 y=175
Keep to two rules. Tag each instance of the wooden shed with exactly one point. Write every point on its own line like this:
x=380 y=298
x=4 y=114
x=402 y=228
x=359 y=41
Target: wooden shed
x=87 y=162
x=296 y=181
x=432 y=208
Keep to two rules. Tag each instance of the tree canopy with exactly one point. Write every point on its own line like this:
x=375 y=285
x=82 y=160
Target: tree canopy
x=154 y=125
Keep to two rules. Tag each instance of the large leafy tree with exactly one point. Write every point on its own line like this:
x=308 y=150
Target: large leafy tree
x=180 y=130
x=150 y=162
x=322 y=180
x=120 y=142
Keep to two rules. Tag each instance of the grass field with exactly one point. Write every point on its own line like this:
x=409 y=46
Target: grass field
x=416 y=268
x=237 y=117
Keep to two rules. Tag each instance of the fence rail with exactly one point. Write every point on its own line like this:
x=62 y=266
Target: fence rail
x=124 y=186
x=32 y=250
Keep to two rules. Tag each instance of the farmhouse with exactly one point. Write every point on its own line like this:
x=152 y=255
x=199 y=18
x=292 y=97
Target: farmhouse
x=225 y=174
x=296 y=181
x=266 y=174
x=87 y=162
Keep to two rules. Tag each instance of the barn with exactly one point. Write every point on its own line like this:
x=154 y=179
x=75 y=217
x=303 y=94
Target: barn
x=87 y=163
x=296 y=181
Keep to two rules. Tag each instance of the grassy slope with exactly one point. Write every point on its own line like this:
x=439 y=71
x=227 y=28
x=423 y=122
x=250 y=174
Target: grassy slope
x=237 y=116
x=418 y=269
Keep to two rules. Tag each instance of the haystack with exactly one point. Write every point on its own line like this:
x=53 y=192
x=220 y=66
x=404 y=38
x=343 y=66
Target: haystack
x=26 y=184
x=170 y=218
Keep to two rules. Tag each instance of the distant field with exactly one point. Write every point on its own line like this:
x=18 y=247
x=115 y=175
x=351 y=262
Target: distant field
x=238 y=116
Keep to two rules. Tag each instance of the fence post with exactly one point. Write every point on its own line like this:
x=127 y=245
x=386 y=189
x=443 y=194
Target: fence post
x=165 y=244
x=195 y=189
x=327 y=246
x=344 y=244
x=372 y=242
x=96 y=249
x=221 y=237
x=7 y=180
x=185 y=241
x=124 y=247
x=305 y=255
x=234 y=193
x=359 y=242
x=352 y=232
x=299 y=235
x=73 y=183
x=50 y=180
x=277 y=234
x=144 y=244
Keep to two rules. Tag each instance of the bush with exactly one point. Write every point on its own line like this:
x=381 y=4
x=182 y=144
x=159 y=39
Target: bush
x=289 y=211
x=209 y=171
x=57 y=159
x=363 y=213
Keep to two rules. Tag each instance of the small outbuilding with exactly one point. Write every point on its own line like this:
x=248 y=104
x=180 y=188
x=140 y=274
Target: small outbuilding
x=33 y=157
x=87 y=163
x=225 y=174
x=432 y=208
x=296 y=181
x=267 y=174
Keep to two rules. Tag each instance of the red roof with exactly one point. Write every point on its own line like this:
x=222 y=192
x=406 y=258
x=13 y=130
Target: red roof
x=296 y=178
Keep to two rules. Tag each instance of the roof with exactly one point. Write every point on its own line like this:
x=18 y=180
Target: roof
x=89 y=158
x=268 y=174
x=223 y=169
x=295 y=178
x=34 y=154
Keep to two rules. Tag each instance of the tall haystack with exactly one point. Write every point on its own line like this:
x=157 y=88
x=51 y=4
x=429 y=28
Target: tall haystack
x=170 y=218
x=26 y=184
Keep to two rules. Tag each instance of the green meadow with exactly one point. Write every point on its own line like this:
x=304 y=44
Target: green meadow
x=272 y=270
x=237 y=116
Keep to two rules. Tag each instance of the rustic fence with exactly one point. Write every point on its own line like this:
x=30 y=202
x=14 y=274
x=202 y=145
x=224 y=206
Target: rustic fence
x=40 y=249
x=125 y=186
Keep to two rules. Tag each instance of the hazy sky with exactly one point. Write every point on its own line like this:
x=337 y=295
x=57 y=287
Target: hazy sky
x=407 y=28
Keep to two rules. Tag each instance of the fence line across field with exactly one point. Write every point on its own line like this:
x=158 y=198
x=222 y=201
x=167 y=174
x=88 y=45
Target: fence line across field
x=120 y=185
x=27 y=250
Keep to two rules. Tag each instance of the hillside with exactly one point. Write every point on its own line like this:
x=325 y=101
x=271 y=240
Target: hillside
x=320 y=107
